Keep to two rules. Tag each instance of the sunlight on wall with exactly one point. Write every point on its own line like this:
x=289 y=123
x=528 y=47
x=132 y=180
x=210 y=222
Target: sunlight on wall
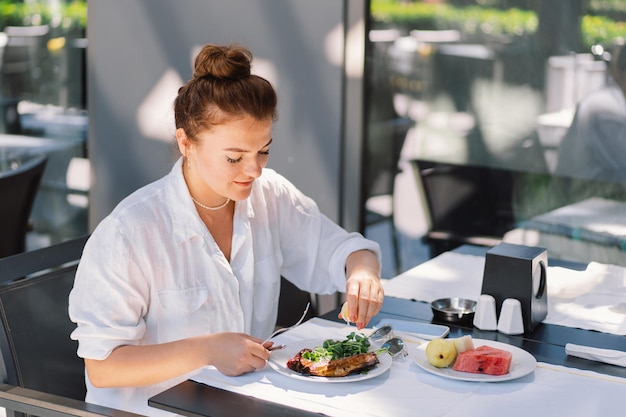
x=266 y=69
x=355 y=49
x=155 y=115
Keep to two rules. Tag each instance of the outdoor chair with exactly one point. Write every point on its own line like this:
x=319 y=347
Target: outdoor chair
x=292 y=302
x=18 y=188
x=40 y=371
x=466 y=204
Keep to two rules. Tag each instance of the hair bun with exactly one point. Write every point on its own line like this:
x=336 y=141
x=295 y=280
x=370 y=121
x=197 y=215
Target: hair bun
x=223 y=62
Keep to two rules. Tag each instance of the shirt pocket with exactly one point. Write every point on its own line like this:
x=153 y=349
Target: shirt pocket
x=183 y=302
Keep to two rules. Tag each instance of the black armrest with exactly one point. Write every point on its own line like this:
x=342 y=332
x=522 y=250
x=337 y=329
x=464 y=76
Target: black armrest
x=48 y=405
x=478 y=240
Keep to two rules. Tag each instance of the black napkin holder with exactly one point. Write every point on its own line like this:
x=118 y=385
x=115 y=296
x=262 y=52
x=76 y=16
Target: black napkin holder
x=518 y=271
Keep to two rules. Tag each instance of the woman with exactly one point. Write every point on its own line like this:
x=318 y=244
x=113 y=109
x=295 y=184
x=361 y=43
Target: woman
x=595 y=142
x=185 y=272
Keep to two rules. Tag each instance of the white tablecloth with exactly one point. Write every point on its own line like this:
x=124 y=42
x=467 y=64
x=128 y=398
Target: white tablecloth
x=407 y=390
x=593 y=299
x=590 y=229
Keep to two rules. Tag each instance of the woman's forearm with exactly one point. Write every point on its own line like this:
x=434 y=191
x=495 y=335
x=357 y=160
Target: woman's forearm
x=127 y=366
x=363 y=260
x=135 y=366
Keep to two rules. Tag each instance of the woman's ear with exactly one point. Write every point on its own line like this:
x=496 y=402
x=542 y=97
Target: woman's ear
x=183 y=142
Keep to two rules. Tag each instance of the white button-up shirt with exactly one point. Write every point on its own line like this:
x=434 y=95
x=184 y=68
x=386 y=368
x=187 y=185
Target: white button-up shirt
x=152 y=273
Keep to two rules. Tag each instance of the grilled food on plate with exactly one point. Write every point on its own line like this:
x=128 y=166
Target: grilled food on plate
x=335 y=358
x=358 y=363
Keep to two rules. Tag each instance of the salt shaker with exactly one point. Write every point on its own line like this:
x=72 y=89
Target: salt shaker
x=511 y=320
x=485 y=316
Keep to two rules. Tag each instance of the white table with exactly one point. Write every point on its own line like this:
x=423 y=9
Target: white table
x=407 y=390
x=594 y=228
x=591 y=299
x=553 y=388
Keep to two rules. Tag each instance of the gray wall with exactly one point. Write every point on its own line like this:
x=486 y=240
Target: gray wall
x=140 y=52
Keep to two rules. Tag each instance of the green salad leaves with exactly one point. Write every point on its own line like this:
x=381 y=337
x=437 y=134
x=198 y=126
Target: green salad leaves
x=353 y=344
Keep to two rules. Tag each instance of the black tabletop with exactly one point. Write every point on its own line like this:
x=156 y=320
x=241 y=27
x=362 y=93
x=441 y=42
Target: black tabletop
x=546 y=343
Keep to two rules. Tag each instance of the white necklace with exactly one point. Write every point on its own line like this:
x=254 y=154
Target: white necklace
x=211 y=208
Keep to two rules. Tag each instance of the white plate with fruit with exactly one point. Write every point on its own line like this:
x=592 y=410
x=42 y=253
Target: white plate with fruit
x=468 y=359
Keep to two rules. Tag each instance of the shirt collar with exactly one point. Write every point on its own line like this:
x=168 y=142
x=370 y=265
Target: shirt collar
x=185 y=219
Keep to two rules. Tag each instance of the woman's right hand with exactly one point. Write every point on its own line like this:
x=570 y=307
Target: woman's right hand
x=139 y=365
x=237 y=353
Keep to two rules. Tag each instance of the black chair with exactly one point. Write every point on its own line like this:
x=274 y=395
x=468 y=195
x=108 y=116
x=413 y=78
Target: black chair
x=41 y=373
x=466 y=204
x=18 y=188
x=385 y=142
x=292 y=302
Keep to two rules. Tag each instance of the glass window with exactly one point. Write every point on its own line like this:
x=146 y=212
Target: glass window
x=43 y=102
x=507 y=119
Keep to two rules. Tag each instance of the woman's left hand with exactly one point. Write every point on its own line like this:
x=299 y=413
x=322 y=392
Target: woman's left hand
x=364 y=290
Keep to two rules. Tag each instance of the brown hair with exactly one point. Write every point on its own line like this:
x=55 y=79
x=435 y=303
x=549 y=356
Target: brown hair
x=222 y=88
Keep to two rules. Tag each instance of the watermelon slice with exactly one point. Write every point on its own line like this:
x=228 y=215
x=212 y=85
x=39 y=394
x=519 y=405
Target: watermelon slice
x=484 y=360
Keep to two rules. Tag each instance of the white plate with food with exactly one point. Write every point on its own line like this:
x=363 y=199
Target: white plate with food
x=279 y=358
x=522 y=364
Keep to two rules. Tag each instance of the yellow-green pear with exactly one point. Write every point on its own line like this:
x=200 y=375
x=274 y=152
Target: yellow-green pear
x=441 y=353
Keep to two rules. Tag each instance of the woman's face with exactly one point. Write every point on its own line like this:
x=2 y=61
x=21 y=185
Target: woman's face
x=225 y=161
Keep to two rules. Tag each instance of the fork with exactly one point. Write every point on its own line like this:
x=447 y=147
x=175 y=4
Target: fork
x=284 y=329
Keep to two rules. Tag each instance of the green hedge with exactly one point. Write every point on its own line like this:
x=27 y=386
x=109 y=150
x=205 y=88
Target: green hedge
x=474 y=21
x=470 y=20
x=601 y=30
x=74 y=16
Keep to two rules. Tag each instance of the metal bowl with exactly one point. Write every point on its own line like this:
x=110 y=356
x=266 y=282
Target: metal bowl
x=453 y=310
